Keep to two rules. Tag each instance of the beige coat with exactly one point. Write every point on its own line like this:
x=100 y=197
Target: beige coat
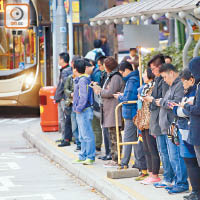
x=115 y=85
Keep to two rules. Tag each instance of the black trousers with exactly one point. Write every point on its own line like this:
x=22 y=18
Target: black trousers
x=68 y=128
x=151 y=152
x=193 y=170
x=107 y=142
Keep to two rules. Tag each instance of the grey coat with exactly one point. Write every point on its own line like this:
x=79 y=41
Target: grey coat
x=116 y=84
x=174 y=94
x=158 y=92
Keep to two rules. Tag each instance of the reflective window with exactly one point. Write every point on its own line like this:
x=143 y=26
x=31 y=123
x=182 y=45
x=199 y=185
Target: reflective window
x=17 y=48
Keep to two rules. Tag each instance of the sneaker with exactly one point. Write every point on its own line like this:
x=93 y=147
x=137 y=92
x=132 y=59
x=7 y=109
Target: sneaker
x=111 y=164
x=150 y=180
x=192 y=196
x=88 y=162
x=141 y=177
x=64 y=144
x=162 y=184
x=78 y=161
x=176 y=190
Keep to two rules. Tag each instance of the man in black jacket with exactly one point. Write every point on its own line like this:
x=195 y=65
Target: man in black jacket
x=64 y=118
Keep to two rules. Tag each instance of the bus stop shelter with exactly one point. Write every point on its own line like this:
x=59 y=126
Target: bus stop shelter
x=182 y=10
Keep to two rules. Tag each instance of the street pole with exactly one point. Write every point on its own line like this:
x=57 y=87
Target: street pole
x=55 y=58
x=61 y=30
x=70 y=27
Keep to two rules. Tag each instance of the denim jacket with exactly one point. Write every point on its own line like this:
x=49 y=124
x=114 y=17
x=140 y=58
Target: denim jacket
x=83 y=94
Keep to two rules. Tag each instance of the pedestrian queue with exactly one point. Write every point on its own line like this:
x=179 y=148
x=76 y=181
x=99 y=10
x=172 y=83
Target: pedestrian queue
x=164 y=122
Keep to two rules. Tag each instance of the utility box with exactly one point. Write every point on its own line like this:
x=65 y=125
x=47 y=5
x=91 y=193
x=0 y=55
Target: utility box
x=48 y=109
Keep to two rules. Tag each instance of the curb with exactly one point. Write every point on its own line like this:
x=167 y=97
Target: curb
x=109 y=190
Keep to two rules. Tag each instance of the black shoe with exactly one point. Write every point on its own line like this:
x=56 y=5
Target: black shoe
x=98 y=149
x=105 y=157
x=191 y=196
x=78 y=148
x=64 y=144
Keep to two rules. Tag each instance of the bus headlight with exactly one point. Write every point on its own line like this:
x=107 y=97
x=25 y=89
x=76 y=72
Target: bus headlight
x=29 y=80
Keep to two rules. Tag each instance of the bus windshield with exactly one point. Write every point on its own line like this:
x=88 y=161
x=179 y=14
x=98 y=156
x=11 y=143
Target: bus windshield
x=17 y=48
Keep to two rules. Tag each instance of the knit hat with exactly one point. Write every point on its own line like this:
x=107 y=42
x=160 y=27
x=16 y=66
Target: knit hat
x=194 y=67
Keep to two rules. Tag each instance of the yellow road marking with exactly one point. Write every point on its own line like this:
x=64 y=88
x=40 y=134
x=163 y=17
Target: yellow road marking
x=132 y=192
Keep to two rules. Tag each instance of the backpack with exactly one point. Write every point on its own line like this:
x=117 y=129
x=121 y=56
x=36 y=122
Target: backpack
x=98 y=54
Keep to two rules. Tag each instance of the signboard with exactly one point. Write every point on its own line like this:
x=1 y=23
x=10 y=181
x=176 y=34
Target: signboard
x=141 y=36
x=17 y=16
x=1 y=6
x=75 y=10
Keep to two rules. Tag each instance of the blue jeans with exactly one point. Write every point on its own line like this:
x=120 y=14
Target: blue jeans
x=177 y=164
x=75 y=129
x=86 y=134
x=162 y=149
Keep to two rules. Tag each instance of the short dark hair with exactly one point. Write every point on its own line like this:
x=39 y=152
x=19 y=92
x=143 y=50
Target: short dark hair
x=132 y=49
x=110 y=63
x=65 y=57
x=169 y=57
x=158 y=60
x=101 y=59
x=186 y=74
x=80 y=65
x=168 y=68
x=150 y=74
x=125 y=65
x=97 y=43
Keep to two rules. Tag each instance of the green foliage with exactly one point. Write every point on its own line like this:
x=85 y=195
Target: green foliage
x=173 y=52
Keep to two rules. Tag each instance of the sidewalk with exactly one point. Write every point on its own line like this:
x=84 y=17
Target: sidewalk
x=95 y=175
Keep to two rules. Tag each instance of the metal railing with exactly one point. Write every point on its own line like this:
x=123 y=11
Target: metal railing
x=118 y=131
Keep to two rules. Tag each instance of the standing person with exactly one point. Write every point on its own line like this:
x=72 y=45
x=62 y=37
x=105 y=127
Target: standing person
x=96 y=52
x=194 y=108
x=65 y=120
x=105 y=46
x=132 y=58
x=95 y=74
x=159 y=91
x=82 y=105
x=101 y=66
x=113 y=84
x=69 y=92
x=142 y=120
x=105 y=131
x=183 y=122
x=173 y=95
x=132 y=81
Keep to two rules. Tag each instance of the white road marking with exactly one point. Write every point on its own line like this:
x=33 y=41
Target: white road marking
x=9 y=166
x=10 y=156
x=26 y=121
x=17 y=121
x=43 y=196
x=6 y=183
x=4 y=120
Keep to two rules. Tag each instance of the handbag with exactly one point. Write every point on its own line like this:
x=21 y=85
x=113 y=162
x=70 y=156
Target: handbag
x=173 y=132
